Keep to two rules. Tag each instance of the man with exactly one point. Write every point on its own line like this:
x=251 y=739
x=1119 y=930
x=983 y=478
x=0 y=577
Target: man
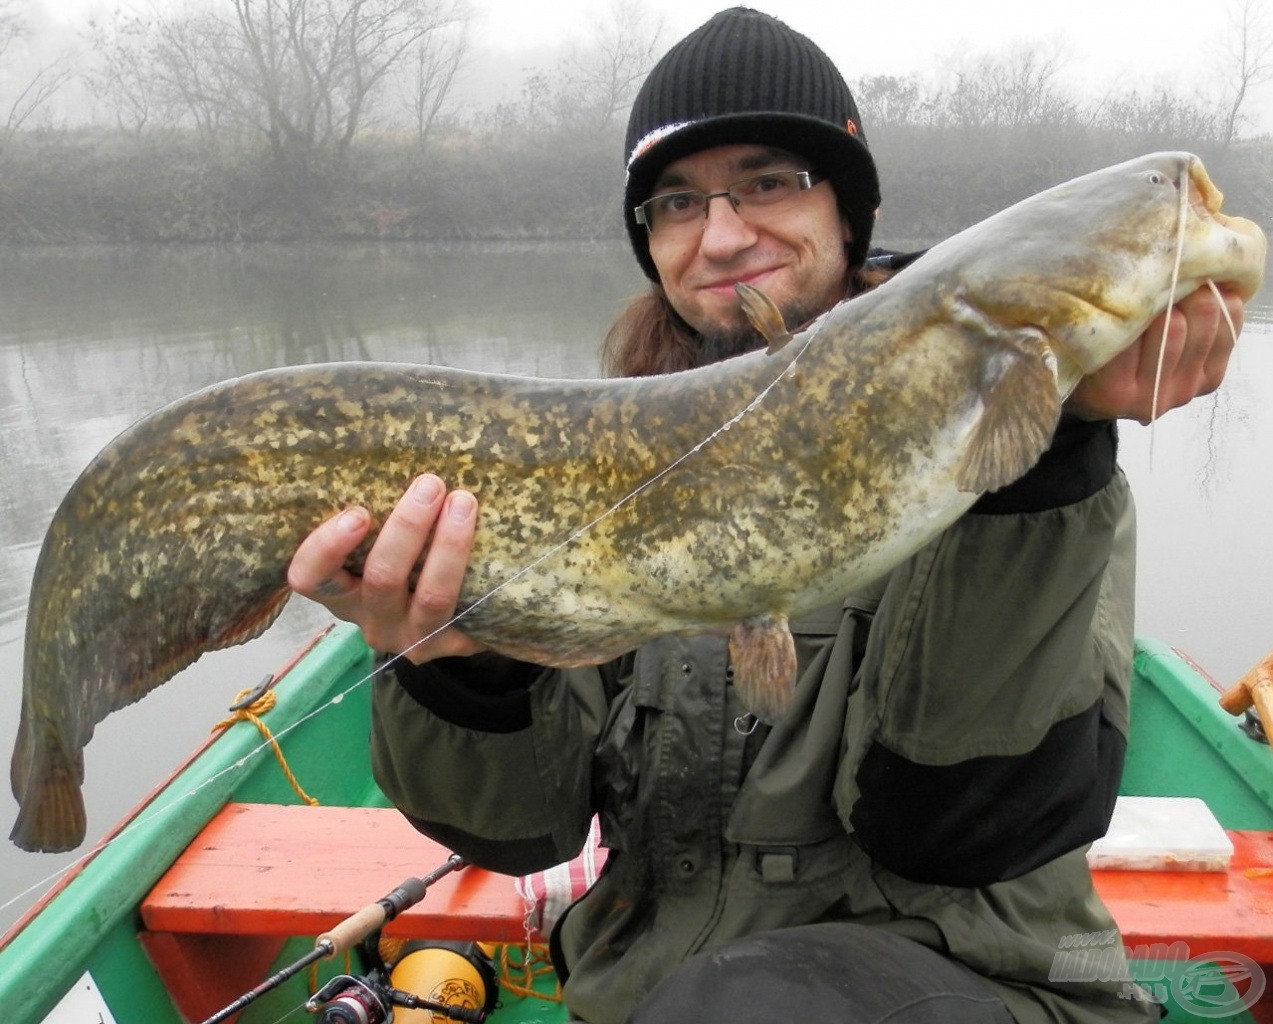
x=908 y=842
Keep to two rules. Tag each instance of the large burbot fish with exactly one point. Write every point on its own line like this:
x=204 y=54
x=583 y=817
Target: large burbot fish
x=613 y=511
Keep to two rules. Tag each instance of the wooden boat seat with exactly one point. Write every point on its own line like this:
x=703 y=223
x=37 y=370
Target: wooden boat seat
x=259 y=873
x=268 y=869
x=265 y=869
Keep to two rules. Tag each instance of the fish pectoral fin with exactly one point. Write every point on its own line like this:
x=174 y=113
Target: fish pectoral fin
x=1021 y=407
x=765 y=317
x=763 y=655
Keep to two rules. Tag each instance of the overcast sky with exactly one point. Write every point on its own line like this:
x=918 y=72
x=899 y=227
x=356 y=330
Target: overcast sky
x=1109 y=43
x=866 y=38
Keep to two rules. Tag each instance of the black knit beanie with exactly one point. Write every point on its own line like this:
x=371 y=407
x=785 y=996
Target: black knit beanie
x=746 y=78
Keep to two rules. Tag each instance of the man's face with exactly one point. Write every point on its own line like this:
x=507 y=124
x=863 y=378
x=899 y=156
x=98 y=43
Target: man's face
x=796 y=255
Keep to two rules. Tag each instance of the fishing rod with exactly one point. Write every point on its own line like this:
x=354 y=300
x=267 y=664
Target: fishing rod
x=361 y=995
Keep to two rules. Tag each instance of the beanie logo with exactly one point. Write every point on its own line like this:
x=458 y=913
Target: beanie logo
x=851 y=127
x=657 y=135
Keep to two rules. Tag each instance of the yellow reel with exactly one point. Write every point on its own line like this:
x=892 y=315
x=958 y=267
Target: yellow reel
x=453 y=973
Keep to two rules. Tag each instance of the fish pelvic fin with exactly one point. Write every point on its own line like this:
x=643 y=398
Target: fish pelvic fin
x=1020 y=405
x=763 y=655
x=765 y=317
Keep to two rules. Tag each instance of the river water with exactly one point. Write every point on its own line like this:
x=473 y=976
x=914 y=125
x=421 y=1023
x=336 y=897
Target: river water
x=91 y=339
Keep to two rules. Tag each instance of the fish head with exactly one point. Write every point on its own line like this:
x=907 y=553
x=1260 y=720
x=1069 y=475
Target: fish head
x=1091 y=262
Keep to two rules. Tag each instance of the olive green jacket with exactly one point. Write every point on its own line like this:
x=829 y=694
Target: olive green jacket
x=954 y=745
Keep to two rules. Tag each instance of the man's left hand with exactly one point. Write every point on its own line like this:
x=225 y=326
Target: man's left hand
x=1198 y=347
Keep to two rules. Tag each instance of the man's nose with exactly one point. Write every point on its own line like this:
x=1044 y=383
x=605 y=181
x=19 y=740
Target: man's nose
x=724 y=231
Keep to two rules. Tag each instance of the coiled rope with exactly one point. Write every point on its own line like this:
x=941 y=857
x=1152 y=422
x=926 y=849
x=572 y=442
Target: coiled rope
x=251 y=712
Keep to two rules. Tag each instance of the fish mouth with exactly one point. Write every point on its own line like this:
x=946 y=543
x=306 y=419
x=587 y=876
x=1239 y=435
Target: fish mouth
x=1204 y=197
x=1205 y=201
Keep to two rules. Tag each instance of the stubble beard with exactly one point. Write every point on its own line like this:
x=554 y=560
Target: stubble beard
x=735 y=340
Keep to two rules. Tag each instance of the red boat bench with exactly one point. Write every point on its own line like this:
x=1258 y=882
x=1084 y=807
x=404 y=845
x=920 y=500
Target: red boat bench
x=259 y=873
x=266 y=869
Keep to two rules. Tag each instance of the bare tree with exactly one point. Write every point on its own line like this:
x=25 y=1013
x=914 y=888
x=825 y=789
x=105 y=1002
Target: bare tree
x=303 y=73
x=123 y=72
x=316 y=64
x=434 y=65
x=1247 y=51
x=1157 y=117
x=199 y=69
x=601 y=76
x=890 y=100
x=1008 y=90
x=31 y=89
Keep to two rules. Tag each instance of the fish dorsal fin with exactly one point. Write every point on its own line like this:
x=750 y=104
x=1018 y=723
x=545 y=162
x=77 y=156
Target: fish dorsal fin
x=763 y=655
x=1021 y=405
x=765 y=317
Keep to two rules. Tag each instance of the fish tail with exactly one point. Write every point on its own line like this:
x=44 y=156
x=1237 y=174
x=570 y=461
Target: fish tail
x=46 y=782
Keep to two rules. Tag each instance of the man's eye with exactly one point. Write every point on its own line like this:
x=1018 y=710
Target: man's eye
x=768 y=185
x=677 y=202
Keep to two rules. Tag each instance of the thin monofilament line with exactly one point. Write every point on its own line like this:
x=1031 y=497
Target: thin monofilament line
x=626 y=499
x=150 y=813
x=295 y=1010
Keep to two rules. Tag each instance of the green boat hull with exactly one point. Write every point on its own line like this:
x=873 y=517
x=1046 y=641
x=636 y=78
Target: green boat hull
x=1182 y=745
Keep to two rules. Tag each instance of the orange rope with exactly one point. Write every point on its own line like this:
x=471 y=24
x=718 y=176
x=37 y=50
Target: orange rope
x=390 y=949
x=519 y=978
x=251 y=713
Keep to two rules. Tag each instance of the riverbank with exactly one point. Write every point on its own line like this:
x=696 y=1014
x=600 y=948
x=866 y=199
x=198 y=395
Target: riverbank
x=93 y=185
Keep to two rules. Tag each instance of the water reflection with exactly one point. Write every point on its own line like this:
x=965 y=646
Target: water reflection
x=93 y=339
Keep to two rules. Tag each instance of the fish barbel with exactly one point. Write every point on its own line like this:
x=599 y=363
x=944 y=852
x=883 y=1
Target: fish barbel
x=614 y=511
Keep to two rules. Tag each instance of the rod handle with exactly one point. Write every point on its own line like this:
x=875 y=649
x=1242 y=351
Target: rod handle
x=351 y=931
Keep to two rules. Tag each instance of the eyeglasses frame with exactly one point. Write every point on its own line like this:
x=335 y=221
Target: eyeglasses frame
x=805 y=180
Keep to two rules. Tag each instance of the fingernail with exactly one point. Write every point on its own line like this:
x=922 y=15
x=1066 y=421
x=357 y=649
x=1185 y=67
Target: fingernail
x=426 y=489
x=351 y=519
x=460 y=506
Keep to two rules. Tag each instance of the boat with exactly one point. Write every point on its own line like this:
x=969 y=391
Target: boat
x=229 y=870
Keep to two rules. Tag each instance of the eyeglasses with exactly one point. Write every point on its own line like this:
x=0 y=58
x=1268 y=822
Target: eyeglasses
x=754 y=198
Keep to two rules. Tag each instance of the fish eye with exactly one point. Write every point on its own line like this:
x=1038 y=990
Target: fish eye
x=1156 y=178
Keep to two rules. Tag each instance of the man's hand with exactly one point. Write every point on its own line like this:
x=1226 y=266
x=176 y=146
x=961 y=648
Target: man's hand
x=1197 y=352
x=391 y=615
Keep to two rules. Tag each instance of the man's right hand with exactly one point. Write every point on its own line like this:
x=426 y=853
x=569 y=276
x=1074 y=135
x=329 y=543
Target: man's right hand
x=392 y=616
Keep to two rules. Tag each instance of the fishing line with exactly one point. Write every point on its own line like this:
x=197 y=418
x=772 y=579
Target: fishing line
x=631 y=496
x=147 y=815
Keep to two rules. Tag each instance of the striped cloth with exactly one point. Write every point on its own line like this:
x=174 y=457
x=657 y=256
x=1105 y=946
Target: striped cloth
x=547 y=894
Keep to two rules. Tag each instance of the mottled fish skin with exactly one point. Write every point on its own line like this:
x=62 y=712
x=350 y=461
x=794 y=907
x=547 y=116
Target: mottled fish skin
x=883 y=421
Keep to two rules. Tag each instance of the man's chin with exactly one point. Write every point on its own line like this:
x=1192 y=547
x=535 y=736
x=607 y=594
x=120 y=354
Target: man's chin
x=737 y=336
x=721 y=344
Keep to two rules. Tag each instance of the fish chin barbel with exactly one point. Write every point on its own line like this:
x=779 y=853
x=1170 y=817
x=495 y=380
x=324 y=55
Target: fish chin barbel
x=941 y=384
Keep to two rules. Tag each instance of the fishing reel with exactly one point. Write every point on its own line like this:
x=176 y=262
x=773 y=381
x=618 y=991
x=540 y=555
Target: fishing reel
x=432 y=981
